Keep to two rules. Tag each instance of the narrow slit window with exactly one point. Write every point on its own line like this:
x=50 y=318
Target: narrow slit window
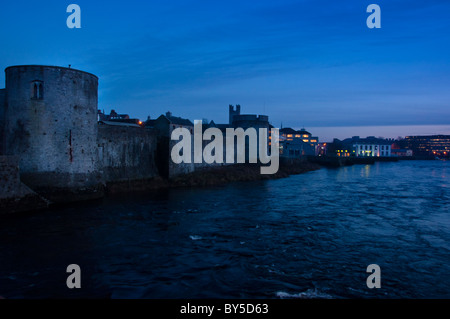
x=40 y=91
x=37 y=90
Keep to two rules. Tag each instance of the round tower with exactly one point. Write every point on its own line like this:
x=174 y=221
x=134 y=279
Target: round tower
x=51 y=124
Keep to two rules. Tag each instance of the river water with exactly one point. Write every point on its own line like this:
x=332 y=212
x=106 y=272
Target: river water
x=306 y=236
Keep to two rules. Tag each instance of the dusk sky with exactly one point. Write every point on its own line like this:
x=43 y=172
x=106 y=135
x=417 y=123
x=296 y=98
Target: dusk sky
x=310 y=63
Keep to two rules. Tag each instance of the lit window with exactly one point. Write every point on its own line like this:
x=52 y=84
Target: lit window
x=289 y=135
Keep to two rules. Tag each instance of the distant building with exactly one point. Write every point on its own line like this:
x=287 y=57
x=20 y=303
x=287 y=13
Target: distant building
x=371 y=146
x=121 y=123
x=296 y=149
x=233 y=112
x=165 y=124
x=246 y=120
x=322 y=149
x=289 y=134
x=112 y=116
x=150 y=123
x=115 y=119
x=361 y=147
x=399 y=151
x=432 y=145
x=297 y=142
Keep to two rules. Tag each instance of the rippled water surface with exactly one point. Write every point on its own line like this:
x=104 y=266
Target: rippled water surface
x=310 y=235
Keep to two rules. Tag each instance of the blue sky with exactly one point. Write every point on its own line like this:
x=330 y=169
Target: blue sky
x=305 y=63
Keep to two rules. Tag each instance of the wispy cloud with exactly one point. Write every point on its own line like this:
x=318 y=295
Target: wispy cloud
x=310 y=62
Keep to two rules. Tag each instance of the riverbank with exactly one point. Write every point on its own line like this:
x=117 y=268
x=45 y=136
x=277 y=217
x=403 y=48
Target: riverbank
x=206 y=177
x=238 y=173
x=17 y=197
x=333 y=161
x=213 y=176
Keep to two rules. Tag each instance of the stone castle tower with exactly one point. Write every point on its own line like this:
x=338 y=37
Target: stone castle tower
x=50 y=123
x=233 y=112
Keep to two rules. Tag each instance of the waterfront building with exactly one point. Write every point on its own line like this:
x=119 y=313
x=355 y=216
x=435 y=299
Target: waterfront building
x=431 y=145
x=295 y=149
x=370 y=146
x=288 y=134
x=360 y=147
x=322 y=149
x=297 y=142
x=397 y=150
x=401 y=152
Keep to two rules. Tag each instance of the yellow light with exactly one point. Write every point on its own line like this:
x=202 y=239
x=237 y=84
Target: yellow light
x=140 y=123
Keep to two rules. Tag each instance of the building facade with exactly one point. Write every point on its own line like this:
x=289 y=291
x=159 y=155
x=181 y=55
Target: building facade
x=432 y=145
x=295 y=143
x=360 y=147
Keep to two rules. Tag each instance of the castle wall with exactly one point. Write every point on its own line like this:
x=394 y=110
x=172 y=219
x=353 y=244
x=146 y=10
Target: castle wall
x=182 y=168
x=54 y=131
x=2 y=120
x=127 y=153
x=15 y=196
x=186 y=168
